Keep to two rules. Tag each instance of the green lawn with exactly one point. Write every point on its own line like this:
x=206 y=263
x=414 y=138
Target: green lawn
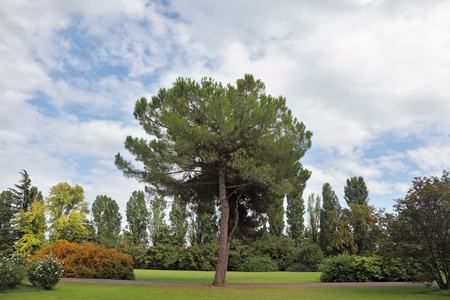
x=124 y=291
x=232 y=277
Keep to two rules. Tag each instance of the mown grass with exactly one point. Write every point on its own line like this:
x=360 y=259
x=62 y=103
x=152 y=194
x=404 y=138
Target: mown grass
x=66 y=290
x=123 y=291
x=232 y=277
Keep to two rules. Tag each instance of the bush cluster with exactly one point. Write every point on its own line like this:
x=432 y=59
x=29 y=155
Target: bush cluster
x=167 y=256
x=307 y=259
x=88 y=261
x=45 y=272
x=12 y=271
x=365 y=269
x=258 y=264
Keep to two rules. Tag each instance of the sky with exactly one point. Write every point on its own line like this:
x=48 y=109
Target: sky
x=370 y=79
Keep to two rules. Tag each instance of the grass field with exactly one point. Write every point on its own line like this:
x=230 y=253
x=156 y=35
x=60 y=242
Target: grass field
x=232 y=277
x=124 y=291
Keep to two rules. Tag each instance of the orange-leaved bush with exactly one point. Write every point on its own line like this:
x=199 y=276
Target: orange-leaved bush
x=88 y=261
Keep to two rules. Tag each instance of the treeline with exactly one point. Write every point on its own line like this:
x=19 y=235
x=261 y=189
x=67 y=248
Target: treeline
x=189 y=240
x=29 y=222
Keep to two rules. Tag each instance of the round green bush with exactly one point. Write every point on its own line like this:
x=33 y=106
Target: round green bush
x=307 y=259
x=45 y=272
x=258 y=264
x=12 y=271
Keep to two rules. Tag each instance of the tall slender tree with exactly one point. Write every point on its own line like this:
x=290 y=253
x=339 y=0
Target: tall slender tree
x=295 y=209
x=314 y=217
x=8 y=234
x=237 y=135
x=178 y=217
x=107 y=219
x=329 y=214
x=276 y=217
x=356 y=195
x=138 y=218
x=157 y=225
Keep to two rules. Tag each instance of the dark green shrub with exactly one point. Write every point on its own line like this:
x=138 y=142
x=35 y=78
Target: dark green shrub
x=279 y=249
x=363 y=269
x=307 y=259
x=12 y=271
x=339 y=269
x=298 y=267
x=45 y=272
x=258 y=264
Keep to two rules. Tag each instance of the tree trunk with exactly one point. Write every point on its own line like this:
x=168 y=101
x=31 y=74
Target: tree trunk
x=222 y=263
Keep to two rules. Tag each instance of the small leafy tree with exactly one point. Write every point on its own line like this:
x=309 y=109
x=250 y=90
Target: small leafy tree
x=32 y=224
x=421 y=230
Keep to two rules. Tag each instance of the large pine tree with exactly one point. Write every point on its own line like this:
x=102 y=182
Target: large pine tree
x=237 y=136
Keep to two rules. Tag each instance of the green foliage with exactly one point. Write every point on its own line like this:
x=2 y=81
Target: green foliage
x=361 y=216
x=107 y=219
x=356 y=192
x=12 y=271
x=8 y=234
x=32 y=224
x=276 y=217
x=278 y=249
x=258 y=264
x=157 y=225
x=314 y=218
x=365 y=269
x=138 y=218
x=68 y=211
x=308 y=258
x=329 y=214
x=421 y=230
x=237 y=136
x=178 y=220
x=45 y=272
x=295 y=210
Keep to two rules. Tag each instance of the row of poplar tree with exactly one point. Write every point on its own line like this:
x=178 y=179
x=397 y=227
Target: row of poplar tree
x=29 y=222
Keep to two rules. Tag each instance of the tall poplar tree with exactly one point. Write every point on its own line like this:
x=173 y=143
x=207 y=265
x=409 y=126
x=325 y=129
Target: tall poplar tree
x=314 y=217
x=361 y=214
x=295 y=209
x=107 y=219
x=329 y=214
x=237 y=136
x=138 y=217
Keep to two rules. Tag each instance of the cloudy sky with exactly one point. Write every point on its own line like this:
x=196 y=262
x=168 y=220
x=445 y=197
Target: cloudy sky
x=369 y=78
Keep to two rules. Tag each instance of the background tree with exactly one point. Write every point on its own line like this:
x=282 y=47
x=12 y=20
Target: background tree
x=157 y=225
x=356 y=195
x=314 y=218
x=276 y=217
x=328 y=217
x=178 y=217
x=421 y=230
x=295 y=211
x=67 y=210
x=8 y=234
x=138 y=218
x=236 y=135
x=32 y=224
x=24 y=194
x=107 y=219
